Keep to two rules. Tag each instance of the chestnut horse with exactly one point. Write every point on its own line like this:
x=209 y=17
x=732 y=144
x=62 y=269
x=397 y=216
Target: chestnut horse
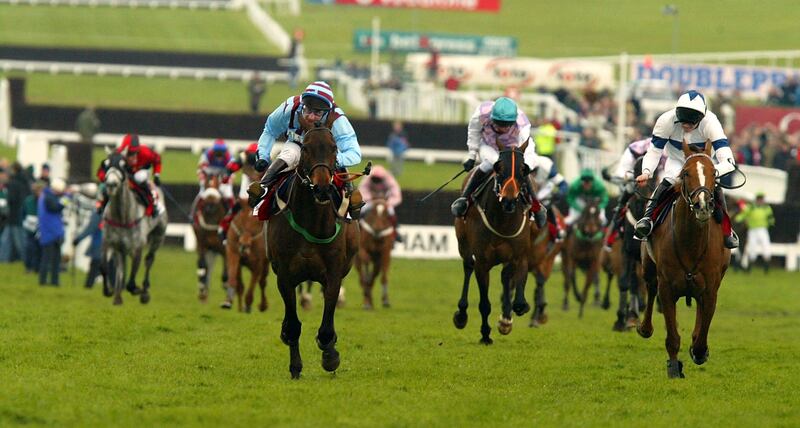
x=582 y=250
x=541 y=259
x=308 y=240
x=496 y=230
x=685 y=256
x=245 y=247
x=375 y=251
x=208 y=213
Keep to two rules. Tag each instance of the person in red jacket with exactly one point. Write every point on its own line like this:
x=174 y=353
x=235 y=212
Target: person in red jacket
x=139 y=160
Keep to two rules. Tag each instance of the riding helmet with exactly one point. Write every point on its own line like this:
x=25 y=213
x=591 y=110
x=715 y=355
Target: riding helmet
x=691 y=108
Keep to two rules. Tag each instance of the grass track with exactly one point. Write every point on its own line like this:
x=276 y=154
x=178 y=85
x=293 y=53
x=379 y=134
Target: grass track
x=67 y=357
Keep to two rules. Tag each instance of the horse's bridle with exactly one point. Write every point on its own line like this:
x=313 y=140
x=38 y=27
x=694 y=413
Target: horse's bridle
x=689 y=196
x=305 y=175
x=498 y=186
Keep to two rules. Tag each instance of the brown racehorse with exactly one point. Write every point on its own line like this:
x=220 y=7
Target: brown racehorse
x=374 y=254
x=245 y=247
x=309 y=241
x=582 y=250
x=686 y=257
x=496 y=230
x=541 y=259
x=209 y=211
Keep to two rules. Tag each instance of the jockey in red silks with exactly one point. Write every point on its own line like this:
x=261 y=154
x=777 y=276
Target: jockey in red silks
x=497 y=125
x=244 y=161
x=139 y=160
x=690 y=120
x=380 y=183
x=214 y=162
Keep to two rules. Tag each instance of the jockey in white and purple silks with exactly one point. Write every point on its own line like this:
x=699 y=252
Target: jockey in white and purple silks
x=315 y=104
x=690 y=120
x=497 y=125
x=380 y=183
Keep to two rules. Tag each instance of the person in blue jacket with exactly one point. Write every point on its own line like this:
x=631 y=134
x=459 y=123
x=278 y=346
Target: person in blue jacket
x=51 y=230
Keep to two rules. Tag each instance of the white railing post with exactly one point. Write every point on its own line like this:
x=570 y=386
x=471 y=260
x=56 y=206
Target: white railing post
x=5 y=111
x=622 y=102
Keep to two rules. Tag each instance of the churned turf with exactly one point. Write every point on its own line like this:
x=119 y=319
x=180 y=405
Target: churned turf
x=67 y=357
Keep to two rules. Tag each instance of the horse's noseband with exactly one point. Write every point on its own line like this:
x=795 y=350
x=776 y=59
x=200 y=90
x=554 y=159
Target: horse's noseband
x=689 y=196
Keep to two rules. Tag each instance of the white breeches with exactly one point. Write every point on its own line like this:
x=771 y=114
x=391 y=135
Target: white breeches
x=574 y=215
x=489 y=156
x=758 y=244
x=225 y=190
x=141 y=176
x=290 y=153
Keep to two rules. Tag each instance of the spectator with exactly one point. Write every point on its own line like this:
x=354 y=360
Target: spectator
x=589 y=138
x=295 y=56
x=51 y=230
x=45 y=174
x=256 y=88
x=30 y=222
x=87 y=125
x=433 y=65
x=398 y=145
x=546 y=140
x=12 y=239
x=93 y=229
x=3 y=199
x=758 y=218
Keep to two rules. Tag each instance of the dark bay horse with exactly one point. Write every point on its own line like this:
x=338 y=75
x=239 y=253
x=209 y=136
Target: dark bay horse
x=245 y=247
x=209 y=211
x=541 y=259
x=496 y=230
x=375 y=251
x=309 y=241
x=582 y=250
x=685 y=256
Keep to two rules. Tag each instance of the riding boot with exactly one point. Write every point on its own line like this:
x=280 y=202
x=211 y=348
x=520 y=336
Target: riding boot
x=257 y=190
x=730 y=239
x=459 y=206
x=645 y=224
x=616 y=219
x=539 y=210
x=356 y=201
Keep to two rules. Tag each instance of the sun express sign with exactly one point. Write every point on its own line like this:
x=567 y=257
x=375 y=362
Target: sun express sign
x=402 y=41
x=461 y=5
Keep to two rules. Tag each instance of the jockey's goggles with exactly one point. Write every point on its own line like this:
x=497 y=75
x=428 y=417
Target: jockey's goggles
x=316 y=111
x=502 y=123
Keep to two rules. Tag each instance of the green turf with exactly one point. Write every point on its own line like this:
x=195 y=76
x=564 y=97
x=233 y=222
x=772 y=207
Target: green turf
x=137 y=29
x=7 y=152
x=69 y=358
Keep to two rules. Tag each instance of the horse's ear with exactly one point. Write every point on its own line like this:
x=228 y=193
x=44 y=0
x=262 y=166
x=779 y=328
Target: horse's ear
x=524 y=146
x=686 y=150
x=709 y=146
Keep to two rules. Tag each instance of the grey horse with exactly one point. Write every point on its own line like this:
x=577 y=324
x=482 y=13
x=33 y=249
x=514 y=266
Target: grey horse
x=128 y=231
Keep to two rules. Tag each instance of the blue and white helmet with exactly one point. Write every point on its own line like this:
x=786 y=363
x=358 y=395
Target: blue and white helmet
x=691 y=107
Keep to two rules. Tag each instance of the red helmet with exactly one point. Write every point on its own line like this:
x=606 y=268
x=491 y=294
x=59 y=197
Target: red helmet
x=252 y=148
x=131 y=142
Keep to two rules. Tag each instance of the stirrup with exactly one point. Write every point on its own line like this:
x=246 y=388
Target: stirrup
x=639 y=235
x=459 y=207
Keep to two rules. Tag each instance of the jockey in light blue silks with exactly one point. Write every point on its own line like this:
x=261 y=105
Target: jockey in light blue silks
x=690 y=120
x=315 y=104
x=494 y=126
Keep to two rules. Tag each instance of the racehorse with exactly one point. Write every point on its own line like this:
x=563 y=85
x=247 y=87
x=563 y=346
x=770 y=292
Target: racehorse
x=582 y=250
x=374 y=254
x=496 y=230
x=541 y=259
x=630 y=275
x=128 y=231
x=309 y=240
x=686 y=257
x=208 y=213
x=245 y=247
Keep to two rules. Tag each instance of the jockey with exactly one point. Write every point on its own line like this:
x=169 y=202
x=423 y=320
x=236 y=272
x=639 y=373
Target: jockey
x=690 y=120
x=139 y=159
x=585 y=187
x=551 y=184
x=315 y=104
x=214 y=162
x=244 y=161
x=496 y=125
x=623 y=177
x=381 y=183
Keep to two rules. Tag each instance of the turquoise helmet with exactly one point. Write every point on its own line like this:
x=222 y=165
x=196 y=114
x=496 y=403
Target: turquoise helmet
x=504 y=110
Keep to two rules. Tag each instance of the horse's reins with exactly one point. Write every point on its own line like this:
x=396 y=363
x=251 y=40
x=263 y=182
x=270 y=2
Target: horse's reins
x=369 y=229
x=111 y=222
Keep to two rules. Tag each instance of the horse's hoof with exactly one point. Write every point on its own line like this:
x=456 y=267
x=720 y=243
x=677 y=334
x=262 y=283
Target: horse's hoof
x=134 y=290
x=534 y=323
x=248 y=309
x=675 y=369
x=644 y=333
x=565 y=306
x=306 y=305
x=698 y=359
x=486 y=341
x=460 y=319
x=107 y=292
x=144 y=298
x=263 y=308
x=386 y=304
x=618 y=326
x=606 y=305
x=295 y=371
x=117 y=300
x=542 y=318
x=521 y=309
x=226 y=305
x=330 y=359
x=367 y=306
x=504 y=326
x=631 y=323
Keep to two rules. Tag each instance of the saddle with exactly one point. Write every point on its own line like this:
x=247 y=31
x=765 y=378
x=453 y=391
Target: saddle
x=277 y=197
